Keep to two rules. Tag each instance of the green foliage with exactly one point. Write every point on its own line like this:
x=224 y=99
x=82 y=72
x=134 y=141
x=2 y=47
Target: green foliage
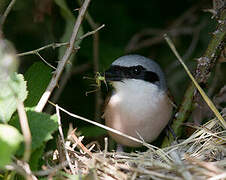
x=37 y=77
x=10 y=139
x=13 y=89
x=41 y=125
x=36 y=157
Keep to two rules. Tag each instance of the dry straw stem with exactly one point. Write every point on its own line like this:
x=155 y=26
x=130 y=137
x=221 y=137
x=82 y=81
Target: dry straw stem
x=205 y=97
x=63 y=141
x=74 y=137
x=205 y=63
x=199 y=157
x=25 y=129
x=64 y=59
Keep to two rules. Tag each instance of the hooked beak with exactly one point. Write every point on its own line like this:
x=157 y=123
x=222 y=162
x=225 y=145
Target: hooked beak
x=113 y=75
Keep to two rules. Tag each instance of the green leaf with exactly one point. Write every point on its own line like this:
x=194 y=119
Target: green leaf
x=37 y=77
x=36 y=157
x=10 y=139
x=41 y=125
x=13 y=88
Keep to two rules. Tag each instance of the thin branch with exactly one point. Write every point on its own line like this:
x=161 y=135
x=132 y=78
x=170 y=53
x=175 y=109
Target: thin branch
x=64 y=59
x=57 y=45
x=7 y=11
x=25 y=129
x=63 y=141
x=52 y=45
x=22 y=168
x=91 y=32
x=45 y=61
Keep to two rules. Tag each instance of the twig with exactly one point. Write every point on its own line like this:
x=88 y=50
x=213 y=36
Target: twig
x=7 y=11
x=52 y=45
x=80 y=144
x=205 y=97
x=25 y=129
x=63 y=141
x=37 y=53
x=22 y=168
x=64 y=59
x=57 y=45
x=91 y=32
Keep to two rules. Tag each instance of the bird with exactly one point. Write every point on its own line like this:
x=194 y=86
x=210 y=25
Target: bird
x=139 y=105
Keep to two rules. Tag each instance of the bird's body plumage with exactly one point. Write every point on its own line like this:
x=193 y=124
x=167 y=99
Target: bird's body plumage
x=137 y=107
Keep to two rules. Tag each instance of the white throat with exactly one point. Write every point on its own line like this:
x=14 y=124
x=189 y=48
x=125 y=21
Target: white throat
x=136 y=93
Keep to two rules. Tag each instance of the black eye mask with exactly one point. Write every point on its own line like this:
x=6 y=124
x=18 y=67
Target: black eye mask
x=118 y=73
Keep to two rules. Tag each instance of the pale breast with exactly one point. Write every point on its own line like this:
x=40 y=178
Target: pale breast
x=141 y=114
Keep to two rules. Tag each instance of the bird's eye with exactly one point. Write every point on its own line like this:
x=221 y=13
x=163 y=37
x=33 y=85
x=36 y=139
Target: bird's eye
x=137 y=70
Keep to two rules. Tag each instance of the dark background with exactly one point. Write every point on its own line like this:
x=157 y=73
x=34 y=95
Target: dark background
x=33 y=24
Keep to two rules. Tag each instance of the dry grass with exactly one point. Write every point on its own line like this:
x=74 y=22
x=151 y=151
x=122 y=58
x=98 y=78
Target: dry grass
x=201 y=156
